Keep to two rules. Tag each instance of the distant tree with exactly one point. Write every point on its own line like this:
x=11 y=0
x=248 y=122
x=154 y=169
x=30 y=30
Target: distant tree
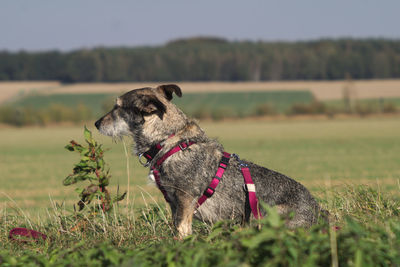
x=207 y=59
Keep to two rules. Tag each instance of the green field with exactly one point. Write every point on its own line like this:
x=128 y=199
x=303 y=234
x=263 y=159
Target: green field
x=243 y=103
x=330 y=157
x=353 y=151
x=238 y=103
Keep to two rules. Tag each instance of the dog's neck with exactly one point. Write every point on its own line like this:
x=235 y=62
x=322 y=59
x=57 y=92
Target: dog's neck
x=190 y=131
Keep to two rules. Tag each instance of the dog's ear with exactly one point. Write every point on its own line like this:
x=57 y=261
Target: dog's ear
x=168 y=89
x=151 y=104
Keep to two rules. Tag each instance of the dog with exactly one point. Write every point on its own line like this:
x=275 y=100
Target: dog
x=149 y=116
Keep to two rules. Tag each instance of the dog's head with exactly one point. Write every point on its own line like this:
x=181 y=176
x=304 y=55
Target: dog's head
x=147 y=114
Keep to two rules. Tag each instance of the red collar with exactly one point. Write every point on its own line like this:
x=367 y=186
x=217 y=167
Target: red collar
x=152 y=152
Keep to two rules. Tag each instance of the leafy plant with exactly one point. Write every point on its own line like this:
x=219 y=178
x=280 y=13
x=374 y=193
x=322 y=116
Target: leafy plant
x=91 y=168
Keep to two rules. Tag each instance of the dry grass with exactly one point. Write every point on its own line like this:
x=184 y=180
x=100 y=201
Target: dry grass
x=10 y=90
x=323 y=90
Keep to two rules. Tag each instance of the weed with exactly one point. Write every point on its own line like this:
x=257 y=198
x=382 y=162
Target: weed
x=92 y=168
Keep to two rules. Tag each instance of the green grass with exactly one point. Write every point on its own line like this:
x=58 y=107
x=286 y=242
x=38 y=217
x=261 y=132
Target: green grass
x=331 y=157
x=368 y=234
x=243 y=103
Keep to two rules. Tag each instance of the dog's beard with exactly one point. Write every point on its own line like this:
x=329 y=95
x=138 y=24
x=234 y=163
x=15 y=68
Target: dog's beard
x=117 y=129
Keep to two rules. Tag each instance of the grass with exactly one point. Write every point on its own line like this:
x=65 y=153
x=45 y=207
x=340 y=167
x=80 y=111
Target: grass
x=367 y=234
x=354 y=151
x=331 y=157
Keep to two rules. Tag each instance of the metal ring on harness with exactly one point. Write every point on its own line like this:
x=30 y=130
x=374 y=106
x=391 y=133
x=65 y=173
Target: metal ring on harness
x=241 y=163
x=146 y=164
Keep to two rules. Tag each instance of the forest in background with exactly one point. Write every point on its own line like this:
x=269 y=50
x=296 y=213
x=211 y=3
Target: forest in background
x=211 y=59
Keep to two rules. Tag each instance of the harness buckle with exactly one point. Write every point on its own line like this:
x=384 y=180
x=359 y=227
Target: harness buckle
x=207 y=194
x=144 y=164
x=183 y=148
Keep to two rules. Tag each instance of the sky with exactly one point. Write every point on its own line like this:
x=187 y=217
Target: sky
x=40 y=25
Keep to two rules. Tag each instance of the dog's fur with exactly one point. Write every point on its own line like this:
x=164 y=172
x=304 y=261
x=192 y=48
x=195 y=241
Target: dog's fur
x=149 y=117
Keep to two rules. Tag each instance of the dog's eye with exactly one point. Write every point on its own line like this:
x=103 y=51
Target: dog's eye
x=127 y=109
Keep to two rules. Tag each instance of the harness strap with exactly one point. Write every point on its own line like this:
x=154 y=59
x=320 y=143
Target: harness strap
x=182 y=146
x=215 y=181
x=210 y=190
x=154 y=169
x=150 y=154
x=251 y=190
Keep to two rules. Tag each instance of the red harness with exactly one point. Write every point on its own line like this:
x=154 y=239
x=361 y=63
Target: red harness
x=209 y=191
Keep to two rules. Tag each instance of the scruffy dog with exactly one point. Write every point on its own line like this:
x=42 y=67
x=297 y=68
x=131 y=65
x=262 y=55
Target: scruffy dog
x=152 y=120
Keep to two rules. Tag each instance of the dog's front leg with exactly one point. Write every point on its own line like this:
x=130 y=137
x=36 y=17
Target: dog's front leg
x=183 y=214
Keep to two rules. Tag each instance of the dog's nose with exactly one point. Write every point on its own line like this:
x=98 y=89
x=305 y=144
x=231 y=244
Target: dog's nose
x=97 y=124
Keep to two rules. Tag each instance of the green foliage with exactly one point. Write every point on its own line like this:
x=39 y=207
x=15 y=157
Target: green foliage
x=365 y=106
x=206 y=59
x=310 y=108
x=120 y=241
x=91 y=168
x=264 y=110
x=54 y=113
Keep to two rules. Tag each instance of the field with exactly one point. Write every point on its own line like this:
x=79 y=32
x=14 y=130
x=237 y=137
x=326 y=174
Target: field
x=331 y=157
x=317 y=153
x=322 y=90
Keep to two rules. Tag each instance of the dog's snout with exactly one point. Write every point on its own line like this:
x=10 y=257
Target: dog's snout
x=97 y=124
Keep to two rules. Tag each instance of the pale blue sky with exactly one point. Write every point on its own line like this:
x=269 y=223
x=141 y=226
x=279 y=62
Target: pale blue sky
x=37 y=25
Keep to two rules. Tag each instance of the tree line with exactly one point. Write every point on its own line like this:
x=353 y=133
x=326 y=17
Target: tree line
x=207 y=59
